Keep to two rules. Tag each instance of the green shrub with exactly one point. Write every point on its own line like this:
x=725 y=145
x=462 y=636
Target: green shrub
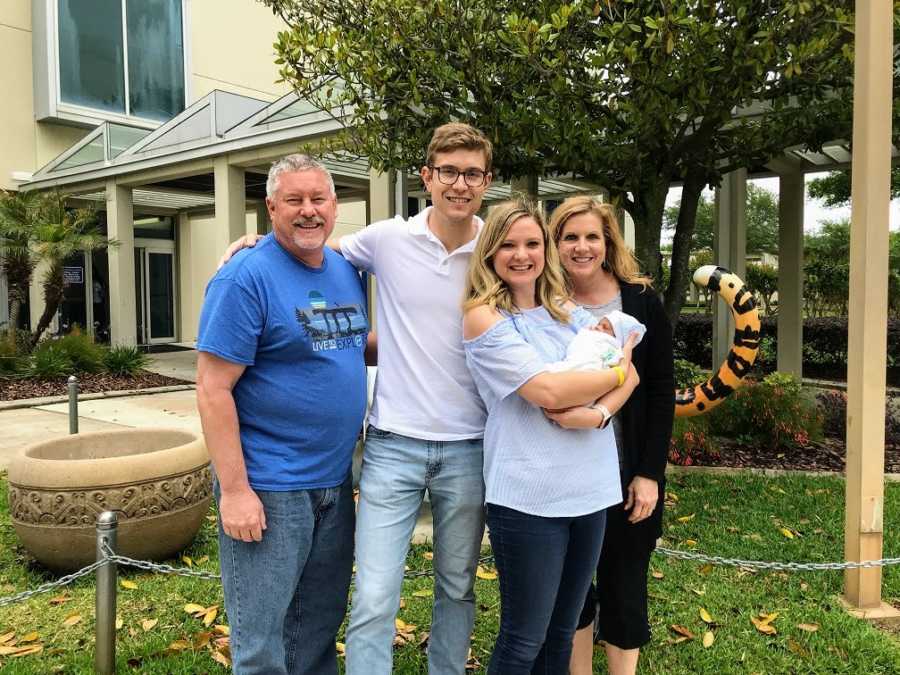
x=12 y=362
x=775 y=412
x=125 y=360
x=49 y=361
x=691 y=442
x=687 y=374
x=86 y=355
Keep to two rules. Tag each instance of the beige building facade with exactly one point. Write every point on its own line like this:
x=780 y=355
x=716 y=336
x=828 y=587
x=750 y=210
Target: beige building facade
x=163 y=57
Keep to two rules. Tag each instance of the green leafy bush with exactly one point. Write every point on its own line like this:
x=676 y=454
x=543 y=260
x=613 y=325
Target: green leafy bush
x=687 y=374
x=12 y=362
x=49 y=361
x=86 y=355
x=775 y=411
x=833 y=409
x=125 y=360
x=691 y=441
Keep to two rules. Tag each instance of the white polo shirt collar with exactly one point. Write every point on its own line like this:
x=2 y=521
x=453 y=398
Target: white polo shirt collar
x=418 y=226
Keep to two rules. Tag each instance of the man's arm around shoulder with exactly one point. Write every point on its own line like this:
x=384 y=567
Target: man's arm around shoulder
x=240 y=509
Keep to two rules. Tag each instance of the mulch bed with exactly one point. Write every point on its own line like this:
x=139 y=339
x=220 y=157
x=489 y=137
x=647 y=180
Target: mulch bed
x=828 y=455
x=15 y=389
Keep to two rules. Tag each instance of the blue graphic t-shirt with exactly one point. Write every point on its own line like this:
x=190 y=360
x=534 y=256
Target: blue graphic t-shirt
x=301 y=333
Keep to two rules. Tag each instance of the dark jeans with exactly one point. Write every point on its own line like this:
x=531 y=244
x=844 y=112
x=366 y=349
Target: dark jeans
x=287 y=594
x=545 y=567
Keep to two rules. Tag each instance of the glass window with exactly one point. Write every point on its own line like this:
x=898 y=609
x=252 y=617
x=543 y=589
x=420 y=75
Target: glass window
x=93 y=68
x=91 y=61
x=155 y=58
x=90 y=153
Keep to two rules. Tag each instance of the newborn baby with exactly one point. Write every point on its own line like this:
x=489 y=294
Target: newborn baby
x=600 y=346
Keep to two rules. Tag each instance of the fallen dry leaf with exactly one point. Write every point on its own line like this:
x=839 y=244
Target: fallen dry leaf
x=428 y=555
x=202 y=639
x=787 y=533
x=210 y=615
x=187 y=561
x=705 y=615
x=7 y=637
x=424 y=593
x=763 y=626
x=684 y=631
x=128 y=584
x=690 y=542
x=178 y=646
x=201 y=560
x=119 y=623
x=340 y=648
x=192 y=608
x=59 y=599
x=22 y=651
x=708 y=639
x=484 y=573
x=221 y=629
x=808 y=627
x=686 y=519
x=148 y=624
x=31 y=637
x=72 y=619
x=657 y=575
x=797 y=648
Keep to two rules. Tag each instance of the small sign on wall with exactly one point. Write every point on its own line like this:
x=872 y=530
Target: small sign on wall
x=73 y=275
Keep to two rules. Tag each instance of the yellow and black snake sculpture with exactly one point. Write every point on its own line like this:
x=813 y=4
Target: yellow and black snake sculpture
x=706 y=396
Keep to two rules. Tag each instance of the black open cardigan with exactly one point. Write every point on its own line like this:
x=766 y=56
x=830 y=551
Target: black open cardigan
x=647 y=416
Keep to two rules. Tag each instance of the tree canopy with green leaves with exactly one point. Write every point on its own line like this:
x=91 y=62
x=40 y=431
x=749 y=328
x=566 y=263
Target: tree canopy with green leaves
x=633 y=95
x=833 y=189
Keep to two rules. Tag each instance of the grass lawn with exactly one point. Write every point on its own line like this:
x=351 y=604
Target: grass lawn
x=744 y=516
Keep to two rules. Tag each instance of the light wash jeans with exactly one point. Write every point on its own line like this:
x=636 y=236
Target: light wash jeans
x=396 y=471
x=287 y=594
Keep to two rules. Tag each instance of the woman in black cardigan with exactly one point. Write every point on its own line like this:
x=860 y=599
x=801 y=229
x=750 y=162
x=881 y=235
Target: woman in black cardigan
x=603 y=275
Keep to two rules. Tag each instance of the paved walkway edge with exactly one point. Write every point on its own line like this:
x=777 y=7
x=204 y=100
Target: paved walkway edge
x=52 y=400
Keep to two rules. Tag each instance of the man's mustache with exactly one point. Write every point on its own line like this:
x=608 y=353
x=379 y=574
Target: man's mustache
x=306 y=222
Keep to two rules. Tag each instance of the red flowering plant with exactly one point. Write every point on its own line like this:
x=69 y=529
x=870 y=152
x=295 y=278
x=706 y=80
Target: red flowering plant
x=691 y=442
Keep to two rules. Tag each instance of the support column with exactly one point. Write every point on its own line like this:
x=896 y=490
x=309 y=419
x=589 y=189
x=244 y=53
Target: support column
x=231 y=203
x=382 y=196
x=188 y=314
x=401 y=192
x=867 y=341
x=791 y=197
x=120 y=226
x=729 y=248
x=263 y=226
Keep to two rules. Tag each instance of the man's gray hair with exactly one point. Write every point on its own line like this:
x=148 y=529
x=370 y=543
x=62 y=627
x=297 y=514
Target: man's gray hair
x=291 y=163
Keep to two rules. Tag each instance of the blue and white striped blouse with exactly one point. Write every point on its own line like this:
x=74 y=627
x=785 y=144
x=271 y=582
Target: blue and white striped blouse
x=530 y=464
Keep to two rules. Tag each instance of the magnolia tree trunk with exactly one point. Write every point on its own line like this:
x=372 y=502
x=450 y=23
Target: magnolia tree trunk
x=681 y=247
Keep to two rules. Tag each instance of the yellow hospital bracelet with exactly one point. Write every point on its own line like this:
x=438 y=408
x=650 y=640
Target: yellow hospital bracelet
x=620 y=373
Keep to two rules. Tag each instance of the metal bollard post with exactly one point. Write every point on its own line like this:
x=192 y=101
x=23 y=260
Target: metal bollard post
x=73 y=404
x=105 y=609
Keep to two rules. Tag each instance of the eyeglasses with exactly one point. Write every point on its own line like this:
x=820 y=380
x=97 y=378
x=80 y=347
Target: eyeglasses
x=448 y=175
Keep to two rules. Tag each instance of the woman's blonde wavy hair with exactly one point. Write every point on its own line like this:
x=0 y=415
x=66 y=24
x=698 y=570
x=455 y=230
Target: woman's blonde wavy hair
x=619 y=258
x=484 y=287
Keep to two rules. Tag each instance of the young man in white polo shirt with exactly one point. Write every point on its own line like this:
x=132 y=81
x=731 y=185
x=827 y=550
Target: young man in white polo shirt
x=427 y=422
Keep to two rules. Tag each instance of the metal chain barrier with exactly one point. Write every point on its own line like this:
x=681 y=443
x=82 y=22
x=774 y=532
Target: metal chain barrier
x=52 y=585
x=764 y=565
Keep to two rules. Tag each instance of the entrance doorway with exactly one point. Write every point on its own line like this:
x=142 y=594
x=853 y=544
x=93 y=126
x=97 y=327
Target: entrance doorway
x=154 y=275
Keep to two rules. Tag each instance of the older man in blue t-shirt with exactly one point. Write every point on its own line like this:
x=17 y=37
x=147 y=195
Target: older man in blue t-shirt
x=281 y=387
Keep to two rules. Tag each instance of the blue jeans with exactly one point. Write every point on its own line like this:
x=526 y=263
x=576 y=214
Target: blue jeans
x=287 y=594
x=545 y=567
x=396 y=471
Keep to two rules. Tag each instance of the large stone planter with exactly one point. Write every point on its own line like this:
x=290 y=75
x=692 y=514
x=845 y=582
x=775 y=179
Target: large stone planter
x=157 y=480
